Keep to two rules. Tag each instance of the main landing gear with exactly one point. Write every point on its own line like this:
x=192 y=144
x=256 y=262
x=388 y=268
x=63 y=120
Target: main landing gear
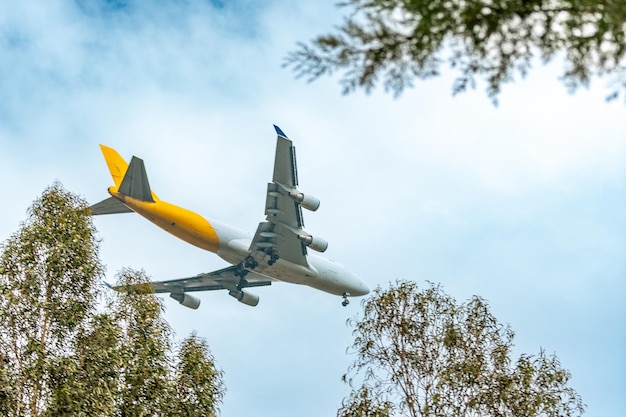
x=273 y=257
x=345 y=301
x=240 y=272
x=250 y=262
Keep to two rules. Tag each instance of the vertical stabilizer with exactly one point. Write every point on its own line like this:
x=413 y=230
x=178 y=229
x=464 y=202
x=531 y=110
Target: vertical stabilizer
x=135 y=183
x=116 y=164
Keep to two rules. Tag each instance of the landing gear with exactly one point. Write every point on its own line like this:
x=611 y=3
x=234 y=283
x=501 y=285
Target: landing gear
x=345 y=301
x=242 y=284
x=250 y=262
x=273 y=257
x=240 y=271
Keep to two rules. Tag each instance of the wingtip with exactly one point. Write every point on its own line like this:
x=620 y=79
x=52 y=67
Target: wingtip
x=279 y=132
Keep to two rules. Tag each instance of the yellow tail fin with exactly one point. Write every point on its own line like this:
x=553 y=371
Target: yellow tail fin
x=117 y=165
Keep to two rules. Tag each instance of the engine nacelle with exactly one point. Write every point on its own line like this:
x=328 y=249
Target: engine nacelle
x=315 y=243
x=307 y=201
x=187 y=300
x=245 y=297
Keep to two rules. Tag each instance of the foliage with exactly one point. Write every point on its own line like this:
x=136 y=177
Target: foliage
x=420 y=353
x=49 y=273
x=63 y=354
x=144 y=344
x=403 y=40
x=197 y=381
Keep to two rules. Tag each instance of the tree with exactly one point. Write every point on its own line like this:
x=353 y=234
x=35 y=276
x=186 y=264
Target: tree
x=420 y=353
x=197 y=383
x=49 y=275
x=86 y=381
x=144 y=346
x=400 y=41
x=64 y=353
x=123 y=365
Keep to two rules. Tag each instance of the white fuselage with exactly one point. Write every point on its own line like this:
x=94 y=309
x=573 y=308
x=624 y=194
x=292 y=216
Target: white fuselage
x=322 y=273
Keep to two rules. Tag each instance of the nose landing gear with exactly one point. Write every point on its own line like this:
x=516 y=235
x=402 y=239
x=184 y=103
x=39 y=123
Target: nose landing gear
x=345 y=301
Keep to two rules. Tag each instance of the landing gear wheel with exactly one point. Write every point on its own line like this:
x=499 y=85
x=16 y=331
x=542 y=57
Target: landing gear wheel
x=273 y=258
x=345 y=301
x=250 y=262
x=240 y=271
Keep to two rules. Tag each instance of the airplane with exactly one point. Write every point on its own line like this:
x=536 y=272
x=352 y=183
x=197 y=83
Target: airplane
x=277 y=251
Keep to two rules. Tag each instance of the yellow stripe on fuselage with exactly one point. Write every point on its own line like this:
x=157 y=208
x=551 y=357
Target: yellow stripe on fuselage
x=182 y=223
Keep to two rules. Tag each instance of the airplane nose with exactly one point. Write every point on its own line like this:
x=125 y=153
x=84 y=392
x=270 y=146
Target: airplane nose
x=364 y=288
x=361 y=287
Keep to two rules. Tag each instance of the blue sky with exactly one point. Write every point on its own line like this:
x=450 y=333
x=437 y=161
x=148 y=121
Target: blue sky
x=523 y=204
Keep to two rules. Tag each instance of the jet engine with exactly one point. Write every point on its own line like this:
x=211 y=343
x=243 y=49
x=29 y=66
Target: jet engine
x=245 y=297
x=307 y=201
x=315 y=243
x=187 y=300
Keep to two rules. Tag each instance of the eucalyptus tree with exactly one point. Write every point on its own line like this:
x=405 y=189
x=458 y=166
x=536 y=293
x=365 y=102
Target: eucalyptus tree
x=87 y=380
x=49 y=281
x=396 y=42
x=124 y=364
x=145 y=342
x=197 y=382
x=66 y=351
x=420 y=353
x=154 y=381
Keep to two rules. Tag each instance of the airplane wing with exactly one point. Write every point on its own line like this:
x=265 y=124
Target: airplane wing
x=223 y=279
x=282 y=233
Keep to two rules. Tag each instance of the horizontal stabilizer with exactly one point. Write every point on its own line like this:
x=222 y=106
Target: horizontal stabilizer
x=135 y=183
x=109 y=206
